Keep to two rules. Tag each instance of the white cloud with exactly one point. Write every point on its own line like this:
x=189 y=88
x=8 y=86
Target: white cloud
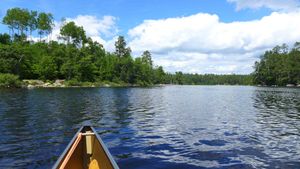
x=202 y=43
x=105 y=26
x=271 y=4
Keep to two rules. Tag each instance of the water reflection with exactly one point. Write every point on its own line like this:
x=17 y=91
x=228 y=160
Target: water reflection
x=165 y=127
x=278 y=119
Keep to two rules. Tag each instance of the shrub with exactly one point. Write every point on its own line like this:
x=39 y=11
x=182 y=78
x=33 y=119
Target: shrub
x=9 y=80
x=143 y=83
x=73 y=82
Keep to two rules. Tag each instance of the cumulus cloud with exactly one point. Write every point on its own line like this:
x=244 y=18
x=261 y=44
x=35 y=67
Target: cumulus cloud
x=105 y=26
x=99 y=29
x=202 y=43
x=271 y=4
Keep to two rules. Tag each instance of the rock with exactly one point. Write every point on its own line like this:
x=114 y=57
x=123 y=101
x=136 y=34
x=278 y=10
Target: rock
x=47 y=84
x=290 y=85
x=106 y=85
x=30 y=86
x=59 y=81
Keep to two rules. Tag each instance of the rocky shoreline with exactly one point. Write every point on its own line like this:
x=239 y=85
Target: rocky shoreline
x=59 y=83
x=39 y=83
x=29 y=84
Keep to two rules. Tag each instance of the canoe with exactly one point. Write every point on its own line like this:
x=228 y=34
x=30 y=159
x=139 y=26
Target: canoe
x=86 y=151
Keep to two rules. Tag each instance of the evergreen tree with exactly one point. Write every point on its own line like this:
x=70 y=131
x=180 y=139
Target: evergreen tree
x=121 y=49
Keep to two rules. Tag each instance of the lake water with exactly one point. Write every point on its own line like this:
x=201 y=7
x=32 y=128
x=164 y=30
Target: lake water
x=162 y=127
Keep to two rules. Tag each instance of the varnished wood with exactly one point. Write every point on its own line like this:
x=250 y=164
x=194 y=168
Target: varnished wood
x=85 y=151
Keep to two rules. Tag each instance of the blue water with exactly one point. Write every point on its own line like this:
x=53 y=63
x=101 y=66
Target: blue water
x=161 y=127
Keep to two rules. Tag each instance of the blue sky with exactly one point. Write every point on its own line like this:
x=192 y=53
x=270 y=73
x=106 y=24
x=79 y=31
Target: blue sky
x=196 y=36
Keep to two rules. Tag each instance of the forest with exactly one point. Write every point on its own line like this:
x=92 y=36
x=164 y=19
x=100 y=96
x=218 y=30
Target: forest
x=208 y=79
x=75 y=57
x=278 y=67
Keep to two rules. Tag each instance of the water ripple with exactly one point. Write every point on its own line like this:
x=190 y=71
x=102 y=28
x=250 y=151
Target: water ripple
x=163 y=127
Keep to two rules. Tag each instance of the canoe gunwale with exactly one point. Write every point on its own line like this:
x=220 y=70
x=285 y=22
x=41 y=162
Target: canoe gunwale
x=61 y=157
x=107 y=153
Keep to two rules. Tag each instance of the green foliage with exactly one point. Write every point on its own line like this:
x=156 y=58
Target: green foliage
x=32 y=22
x=23 y=20
x=159 y=76
x=9 y=80
x=15 y=59
x=73 y=82
x=46 y=68
x=86 y=69
x=279 y=66
x=17 y=18
x=144 y=72
x=5 y=39
x=44 y=23
x=146 y=58
x=208 y=79
x=121 y=49
x=72 y=33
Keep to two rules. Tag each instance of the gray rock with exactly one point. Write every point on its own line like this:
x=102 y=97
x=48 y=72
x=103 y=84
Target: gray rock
x=30 y=86
x=290 y=85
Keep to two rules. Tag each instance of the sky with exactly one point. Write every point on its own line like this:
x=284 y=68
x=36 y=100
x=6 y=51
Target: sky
x=193 y=36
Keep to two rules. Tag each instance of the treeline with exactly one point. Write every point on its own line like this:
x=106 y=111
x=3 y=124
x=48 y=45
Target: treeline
x=208 y=79
x=279 y=66
x=53 y=60
x=75 y=58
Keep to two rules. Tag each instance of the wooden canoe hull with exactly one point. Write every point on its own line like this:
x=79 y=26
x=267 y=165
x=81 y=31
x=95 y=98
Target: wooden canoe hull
x=86 y=151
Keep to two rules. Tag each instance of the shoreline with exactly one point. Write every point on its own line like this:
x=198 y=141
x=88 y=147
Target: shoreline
x=60 y=83
x=30 y=84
